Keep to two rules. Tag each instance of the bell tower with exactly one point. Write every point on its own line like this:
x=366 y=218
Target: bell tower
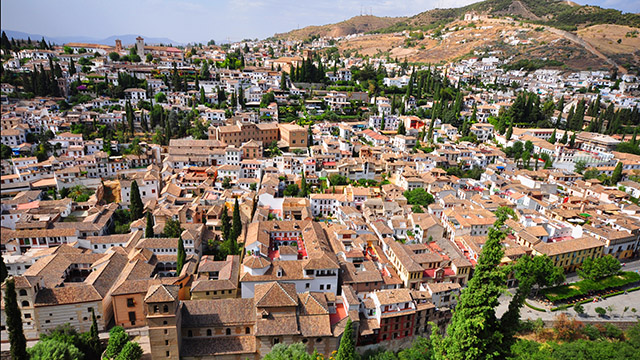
x=164 y=321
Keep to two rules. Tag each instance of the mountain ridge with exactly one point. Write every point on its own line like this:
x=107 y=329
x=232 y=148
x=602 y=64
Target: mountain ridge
x=127 y=39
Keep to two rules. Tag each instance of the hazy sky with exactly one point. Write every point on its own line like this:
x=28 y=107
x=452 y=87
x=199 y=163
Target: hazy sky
x=200 y=20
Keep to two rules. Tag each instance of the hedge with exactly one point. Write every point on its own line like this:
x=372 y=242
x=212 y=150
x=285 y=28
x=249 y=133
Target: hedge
x=534 y=308
x=583 y=287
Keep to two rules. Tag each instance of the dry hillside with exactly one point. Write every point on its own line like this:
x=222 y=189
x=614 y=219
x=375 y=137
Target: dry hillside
x=621 y=43
x=463 y=38
x=355 y=25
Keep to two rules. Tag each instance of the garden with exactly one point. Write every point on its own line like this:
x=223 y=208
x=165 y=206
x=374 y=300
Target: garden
x=589 y=288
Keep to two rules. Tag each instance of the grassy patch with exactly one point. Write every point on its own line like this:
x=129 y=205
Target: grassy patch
x=585 y=286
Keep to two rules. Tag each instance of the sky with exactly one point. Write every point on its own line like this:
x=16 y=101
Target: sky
x=200 y=20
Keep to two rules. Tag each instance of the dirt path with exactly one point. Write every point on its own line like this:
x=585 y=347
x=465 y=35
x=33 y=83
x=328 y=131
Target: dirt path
x=578 y=40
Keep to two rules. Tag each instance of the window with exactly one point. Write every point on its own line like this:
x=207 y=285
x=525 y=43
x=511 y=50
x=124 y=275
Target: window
x=168 y=353
x=321 y=286
x=156 y=308
x=228 y=331
x=130 y=302
x=25 y=303
x=208 y=332
x=27 y=316
x=247 y=330
x=166 y=342
x=190 y=333
x=276 y=341
x=165 y=308
x=23 y=292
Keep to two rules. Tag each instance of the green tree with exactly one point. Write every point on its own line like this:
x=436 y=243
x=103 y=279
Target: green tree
x=114 y=56
x=572 y=140
x=52 y=349
x=419 y=196
x=347 y=349
x=181 y=256
x=417 y=209
x=591 y=173
x=474 y=332
x=537 y=271
x=6 y=152
x=172 y=229
x=118 y=338
x=617 y=174
x=565 y=138
x=161 y=97
x=291 y=190
x=283 y=81
x=94 y=338
x=225 y=225
x=13 y=321
x=304 y=188
x=3 y=270
x=148 y=231
x=579 y=166
x=509 y=132
x=338 y=180
x=296 y=351
x=136 y=206
x=226 y=183
x=593 y=269
x=236 y=221
x=130 y=351
x=401 y=129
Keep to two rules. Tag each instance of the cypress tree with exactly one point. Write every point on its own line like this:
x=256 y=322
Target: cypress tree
x=72 y=68
x=225 y=225
x=5 y=43
x=148 y=231
x=304 y=187
x=474 y=332
x=565 y=138
x=3 y=269
x=14 y=322
x=94 y=340
x=401 y=128
x=553 y=139
x=509 y=131
x=236 y=223
x=347 y=349
x=181 y=256
x=572 y=140
x=617 y=174
x=136 y=206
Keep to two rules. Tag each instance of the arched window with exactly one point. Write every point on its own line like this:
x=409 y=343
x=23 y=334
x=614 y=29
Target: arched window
x=165 y=308
x=190 y=333
x=156 y=308
x=23 y=292
x=208 y=332
x=228 y=331
x=25 y=303
x=247 y=330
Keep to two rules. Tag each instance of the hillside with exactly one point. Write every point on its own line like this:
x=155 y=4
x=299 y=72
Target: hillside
x=462 y=38
x=355 y=25
x=565 y=15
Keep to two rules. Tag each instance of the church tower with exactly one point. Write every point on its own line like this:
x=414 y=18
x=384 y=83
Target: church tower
x=163 y=319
